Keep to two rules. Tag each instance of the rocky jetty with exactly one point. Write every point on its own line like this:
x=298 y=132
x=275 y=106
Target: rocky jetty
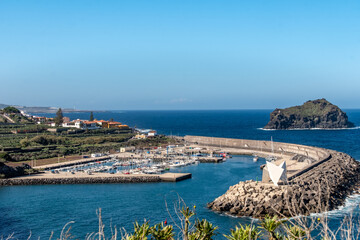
x=88 y=180
x=312 y=114
x=322 y=188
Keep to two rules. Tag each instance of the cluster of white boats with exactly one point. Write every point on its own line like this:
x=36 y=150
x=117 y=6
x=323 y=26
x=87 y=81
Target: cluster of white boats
x=133 y=166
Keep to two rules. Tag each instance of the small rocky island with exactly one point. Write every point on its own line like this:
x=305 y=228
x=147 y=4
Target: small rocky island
x=312 y=114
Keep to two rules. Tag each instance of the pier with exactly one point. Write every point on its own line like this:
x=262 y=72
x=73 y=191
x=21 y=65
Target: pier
x=83 y=178
x=174 y=177
x=71 y=163
x=291 y=153
x=318 y=179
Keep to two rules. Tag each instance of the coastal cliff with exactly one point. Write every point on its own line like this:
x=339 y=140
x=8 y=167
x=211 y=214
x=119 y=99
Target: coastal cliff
x=312 y=114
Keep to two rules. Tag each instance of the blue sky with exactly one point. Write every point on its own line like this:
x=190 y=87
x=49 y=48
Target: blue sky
x=179 y=54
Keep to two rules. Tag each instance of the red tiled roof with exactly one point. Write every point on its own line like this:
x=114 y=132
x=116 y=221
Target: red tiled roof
x=113 y=123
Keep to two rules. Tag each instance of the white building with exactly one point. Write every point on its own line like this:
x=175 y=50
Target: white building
x=80 y=124
x=152 y=133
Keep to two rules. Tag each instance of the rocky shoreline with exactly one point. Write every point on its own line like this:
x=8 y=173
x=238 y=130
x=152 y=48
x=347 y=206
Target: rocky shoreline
x=322 y=188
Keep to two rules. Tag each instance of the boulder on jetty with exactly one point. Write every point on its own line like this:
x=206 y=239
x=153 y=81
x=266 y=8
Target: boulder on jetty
x=323 y=188
x=312 y=114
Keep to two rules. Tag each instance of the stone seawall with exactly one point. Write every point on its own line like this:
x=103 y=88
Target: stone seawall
x=321 y=186
x=88 y=180
x=261 y=146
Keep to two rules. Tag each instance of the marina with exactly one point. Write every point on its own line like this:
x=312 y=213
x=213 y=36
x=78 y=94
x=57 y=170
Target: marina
x=127 y=167
x=33 y=206
x=160 y=164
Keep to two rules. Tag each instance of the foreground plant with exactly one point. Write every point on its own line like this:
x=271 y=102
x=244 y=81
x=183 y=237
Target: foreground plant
x=295 y=233
x=204 y=230
x=270 y=225
x=249 y=232
x=161 y=232
x=189 y=229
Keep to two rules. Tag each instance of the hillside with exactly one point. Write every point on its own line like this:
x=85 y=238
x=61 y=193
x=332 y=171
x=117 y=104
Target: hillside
x=42 y=109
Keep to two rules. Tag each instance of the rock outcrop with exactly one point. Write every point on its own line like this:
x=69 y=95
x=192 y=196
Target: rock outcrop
x=7 y=171
x=312 y=114
x=322 y=188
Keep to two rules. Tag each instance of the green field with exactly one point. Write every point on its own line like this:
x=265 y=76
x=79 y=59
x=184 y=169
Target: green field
x=25 y=141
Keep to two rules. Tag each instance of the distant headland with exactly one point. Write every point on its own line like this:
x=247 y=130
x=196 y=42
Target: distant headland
x=44 y=109
x=318 y=113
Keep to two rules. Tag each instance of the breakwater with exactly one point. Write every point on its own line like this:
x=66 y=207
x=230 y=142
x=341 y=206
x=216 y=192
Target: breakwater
x=322 y=185
x=85 y=180
x=48 y=178
x=265 y=147
x=72 y=163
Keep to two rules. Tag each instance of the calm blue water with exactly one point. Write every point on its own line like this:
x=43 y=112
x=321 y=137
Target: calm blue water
x=43 y=209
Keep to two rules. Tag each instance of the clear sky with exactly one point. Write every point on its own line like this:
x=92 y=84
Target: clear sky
x=179 y=54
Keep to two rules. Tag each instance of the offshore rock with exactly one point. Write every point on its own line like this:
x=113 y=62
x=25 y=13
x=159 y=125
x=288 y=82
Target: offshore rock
x=312 y=114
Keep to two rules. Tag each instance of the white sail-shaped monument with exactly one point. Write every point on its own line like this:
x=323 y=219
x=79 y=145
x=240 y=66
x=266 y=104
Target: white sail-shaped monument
x=277 y=173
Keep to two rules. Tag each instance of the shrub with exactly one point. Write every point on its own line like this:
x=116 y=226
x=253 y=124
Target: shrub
x=25 y=142
x=11 y=110
x=4 y=157
x=47 y=140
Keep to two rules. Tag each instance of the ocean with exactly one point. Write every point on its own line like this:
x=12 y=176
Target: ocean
x=43 y=209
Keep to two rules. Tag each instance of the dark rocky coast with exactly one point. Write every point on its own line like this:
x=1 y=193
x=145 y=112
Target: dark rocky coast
x=7 y=171
x=322 y=188
x=312 y=114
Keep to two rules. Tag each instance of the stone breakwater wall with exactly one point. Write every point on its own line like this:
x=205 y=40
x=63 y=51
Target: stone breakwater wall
x=87 y=180
x=321 y=186
x=314 y=153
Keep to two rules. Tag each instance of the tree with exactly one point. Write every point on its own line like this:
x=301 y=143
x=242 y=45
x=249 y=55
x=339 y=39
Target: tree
x=91 y=116
x=111 y=119
x=5 y=157
x=11 y=110
x=59 y=117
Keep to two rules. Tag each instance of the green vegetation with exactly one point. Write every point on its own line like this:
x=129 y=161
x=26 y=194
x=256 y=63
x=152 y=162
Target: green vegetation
x=14 y=115
x=23 y=147
x=91 y=116
x=244 y=232
x=270 y=225
x=59 y=117
x=184 y=227
x=4 y=157
x=24 y=140
x=311 y=108
x=29 y=141
x=10 y=110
